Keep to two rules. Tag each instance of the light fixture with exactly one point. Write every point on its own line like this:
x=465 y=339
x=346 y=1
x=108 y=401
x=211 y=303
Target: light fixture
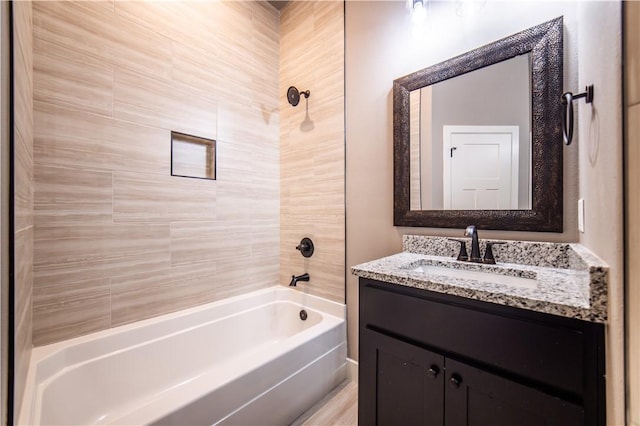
x=418 y=10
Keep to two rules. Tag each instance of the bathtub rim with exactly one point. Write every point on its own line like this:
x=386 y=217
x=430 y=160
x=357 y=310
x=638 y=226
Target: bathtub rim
x=276 y=293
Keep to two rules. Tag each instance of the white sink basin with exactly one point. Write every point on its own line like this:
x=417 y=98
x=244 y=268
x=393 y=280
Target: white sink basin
x=487 y=277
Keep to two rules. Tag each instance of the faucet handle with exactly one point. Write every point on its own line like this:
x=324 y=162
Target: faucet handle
x=463 y=249
x=488 y=252
x=305 y=247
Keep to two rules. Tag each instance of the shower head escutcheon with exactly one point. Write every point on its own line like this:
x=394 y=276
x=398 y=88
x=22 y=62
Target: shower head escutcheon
x=293 y=95
x=306 y=247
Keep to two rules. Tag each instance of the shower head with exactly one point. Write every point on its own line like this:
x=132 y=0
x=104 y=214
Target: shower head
x=293 y=95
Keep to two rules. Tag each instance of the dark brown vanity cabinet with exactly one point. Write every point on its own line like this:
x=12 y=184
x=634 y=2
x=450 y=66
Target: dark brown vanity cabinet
x=432 y=359
x=403 y=383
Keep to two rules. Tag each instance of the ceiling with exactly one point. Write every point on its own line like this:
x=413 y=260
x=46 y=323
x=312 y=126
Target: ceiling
x=278 y=4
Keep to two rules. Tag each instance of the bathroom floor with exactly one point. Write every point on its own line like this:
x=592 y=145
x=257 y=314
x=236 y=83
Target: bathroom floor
x=340 y=407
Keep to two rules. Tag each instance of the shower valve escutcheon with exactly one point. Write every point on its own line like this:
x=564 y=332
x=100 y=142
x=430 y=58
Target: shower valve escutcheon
x=306 y=247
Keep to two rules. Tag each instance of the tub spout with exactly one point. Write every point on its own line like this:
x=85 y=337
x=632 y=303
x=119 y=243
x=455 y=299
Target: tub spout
x=294 y=279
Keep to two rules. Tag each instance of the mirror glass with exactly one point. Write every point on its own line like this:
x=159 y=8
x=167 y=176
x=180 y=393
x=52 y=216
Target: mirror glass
x=470 y=140
x=477 y=138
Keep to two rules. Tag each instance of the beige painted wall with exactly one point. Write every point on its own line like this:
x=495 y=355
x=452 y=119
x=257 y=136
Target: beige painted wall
x=23 y=192
x=380 y=47
x=312 y=202
x=601 y=177
x=385 y=26
x=117 y=239
x=632 y=197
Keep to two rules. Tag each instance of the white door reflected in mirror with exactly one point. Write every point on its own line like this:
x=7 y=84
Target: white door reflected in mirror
x=480 y=167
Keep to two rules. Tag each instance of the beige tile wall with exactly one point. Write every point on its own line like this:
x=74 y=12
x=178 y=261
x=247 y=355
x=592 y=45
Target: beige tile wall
x=23 y=195
x=312 y=146
x=117 y=239
x=632 y=161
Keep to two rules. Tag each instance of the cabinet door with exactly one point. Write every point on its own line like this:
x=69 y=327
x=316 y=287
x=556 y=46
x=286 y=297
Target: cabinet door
x=477 y=398
x=400 y=384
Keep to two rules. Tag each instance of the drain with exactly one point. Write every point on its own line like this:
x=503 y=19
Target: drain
x=303 y=315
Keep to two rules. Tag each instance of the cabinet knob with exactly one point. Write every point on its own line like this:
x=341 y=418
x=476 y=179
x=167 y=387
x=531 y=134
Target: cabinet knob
x=433 y=372
x=455 y=381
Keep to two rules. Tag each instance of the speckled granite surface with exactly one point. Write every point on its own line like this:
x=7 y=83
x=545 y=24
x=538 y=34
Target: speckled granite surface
x=570 y=281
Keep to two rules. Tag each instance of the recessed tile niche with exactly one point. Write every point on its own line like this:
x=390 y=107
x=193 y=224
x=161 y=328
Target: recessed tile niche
x=193 y=156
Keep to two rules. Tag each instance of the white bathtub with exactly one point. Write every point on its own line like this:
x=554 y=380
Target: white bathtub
x=246 y=360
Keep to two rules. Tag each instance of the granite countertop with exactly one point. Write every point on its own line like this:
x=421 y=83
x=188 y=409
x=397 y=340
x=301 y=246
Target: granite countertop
x=563 y=279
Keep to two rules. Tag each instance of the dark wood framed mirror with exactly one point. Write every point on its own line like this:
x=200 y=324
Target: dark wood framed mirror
x=543 y=212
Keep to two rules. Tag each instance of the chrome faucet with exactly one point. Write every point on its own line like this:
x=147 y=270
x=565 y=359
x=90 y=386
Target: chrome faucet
x=472 y=232
x=294 y=279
